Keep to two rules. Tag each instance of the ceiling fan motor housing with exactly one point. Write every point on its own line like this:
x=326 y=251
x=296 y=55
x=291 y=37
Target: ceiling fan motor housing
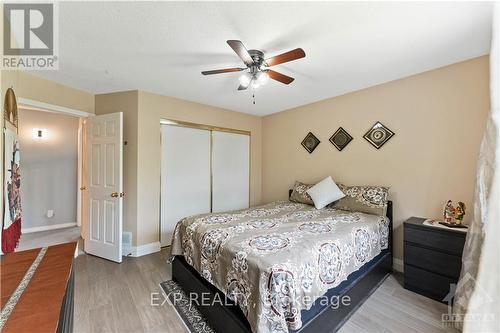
x=258 y=59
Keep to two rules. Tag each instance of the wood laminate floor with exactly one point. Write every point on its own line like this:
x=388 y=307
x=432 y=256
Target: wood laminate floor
x=112 y=297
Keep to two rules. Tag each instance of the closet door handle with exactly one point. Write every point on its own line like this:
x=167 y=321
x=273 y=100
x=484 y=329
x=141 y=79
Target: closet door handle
x=115 y=195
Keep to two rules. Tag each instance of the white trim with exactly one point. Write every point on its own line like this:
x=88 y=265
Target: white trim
x=398 y=265
x=142 y=250
x=30 y=104
x=79 y=171
x=48 y=227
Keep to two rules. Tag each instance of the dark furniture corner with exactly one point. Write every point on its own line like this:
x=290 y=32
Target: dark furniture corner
x=432 y=258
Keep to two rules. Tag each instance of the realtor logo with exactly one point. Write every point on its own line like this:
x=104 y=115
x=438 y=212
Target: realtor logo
x=29 y=36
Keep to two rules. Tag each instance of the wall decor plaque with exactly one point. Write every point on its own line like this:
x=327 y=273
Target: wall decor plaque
x=340 y=139
x=310 y=142
x=378 y=135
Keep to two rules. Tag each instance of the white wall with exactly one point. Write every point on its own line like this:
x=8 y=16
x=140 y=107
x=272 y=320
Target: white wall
x=48 y=168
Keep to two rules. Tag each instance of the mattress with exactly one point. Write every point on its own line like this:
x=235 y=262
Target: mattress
x=278 y=259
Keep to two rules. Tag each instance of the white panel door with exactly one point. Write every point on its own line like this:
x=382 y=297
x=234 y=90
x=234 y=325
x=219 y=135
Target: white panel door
x=230 y=171
x=105 y=185
x=185 y=176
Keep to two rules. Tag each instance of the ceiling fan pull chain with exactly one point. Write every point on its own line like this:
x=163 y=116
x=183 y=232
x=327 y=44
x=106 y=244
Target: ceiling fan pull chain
x=253 y=95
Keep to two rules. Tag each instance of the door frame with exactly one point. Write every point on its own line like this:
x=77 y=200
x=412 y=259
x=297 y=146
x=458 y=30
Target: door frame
x=29 y=104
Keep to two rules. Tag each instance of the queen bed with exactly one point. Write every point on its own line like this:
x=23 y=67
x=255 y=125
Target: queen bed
x=281 y=267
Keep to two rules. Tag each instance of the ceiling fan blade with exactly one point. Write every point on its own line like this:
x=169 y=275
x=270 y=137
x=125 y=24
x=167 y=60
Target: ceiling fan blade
x=241 y=51
x=286 y=57
x=219 y=71
x=279 y=77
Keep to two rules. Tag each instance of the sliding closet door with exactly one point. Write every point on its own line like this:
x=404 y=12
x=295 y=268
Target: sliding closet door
x=185 y=176
x=230 y=171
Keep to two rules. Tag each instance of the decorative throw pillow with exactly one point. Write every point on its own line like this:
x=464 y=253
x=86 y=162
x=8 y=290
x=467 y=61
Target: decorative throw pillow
x=325 y=192
x=364 y=199
x=299 y=193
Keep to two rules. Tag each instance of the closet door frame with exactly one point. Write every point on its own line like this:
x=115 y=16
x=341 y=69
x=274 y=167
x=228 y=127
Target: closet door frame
x=210 y=128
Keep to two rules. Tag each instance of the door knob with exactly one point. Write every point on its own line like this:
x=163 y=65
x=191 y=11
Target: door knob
x=122 y=194
x=83 y=188
x=115 y=195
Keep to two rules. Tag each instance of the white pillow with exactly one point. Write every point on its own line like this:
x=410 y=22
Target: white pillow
x=325 y=192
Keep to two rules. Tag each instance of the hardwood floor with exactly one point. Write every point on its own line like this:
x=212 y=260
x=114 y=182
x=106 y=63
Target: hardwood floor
x=112 y=297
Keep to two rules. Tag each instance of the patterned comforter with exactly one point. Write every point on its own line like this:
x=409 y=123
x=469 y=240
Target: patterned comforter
x=275 y=260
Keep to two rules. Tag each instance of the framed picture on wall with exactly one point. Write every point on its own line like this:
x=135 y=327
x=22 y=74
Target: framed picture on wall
x=310 y=142
x=378 y=135
x=340 y=139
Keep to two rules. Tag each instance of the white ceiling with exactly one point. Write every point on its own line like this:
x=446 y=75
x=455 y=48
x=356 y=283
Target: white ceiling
x=163 y=47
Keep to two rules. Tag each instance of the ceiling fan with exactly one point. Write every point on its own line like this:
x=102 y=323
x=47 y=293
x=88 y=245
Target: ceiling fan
x=258 y=72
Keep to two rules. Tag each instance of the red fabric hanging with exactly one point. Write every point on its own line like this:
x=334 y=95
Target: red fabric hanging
x=10 y=236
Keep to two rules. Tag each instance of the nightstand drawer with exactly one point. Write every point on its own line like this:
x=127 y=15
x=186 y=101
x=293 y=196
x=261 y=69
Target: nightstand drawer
x=449 y=242
x=434 y=261
x=426 y=283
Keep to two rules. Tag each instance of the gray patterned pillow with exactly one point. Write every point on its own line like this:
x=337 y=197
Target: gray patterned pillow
x=364 y=199
x=299 y=193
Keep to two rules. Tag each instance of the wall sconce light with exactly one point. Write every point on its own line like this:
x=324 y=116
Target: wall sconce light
x=40 y=134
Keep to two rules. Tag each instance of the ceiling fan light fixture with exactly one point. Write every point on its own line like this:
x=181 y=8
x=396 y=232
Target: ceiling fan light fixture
x=263 y=77
x=245 y=80
x=257 y=72
x=255 y=83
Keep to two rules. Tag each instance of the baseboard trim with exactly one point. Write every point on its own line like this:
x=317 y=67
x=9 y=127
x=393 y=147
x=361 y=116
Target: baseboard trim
x=48 y=227
x=141 y=250
x=398 y=265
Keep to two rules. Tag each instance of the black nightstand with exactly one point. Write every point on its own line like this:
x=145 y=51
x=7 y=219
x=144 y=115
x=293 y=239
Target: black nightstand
x=432 y=258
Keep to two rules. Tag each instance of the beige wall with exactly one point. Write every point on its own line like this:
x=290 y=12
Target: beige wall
x=142 y=114
x=35 y=88
x=438 y=117
x=154 y=107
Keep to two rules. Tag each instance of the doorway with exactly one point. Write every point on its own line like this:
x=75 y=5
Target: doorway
x=52 y=195
x=92 y=199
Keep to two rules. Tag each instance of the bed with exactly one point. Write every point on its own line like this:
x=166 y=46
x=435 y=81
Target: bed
x=281 y=267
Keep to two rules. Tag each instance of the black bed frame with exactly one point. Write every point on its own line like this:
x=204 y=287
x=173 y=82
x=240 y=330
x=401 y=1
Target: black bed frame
x=229 y=318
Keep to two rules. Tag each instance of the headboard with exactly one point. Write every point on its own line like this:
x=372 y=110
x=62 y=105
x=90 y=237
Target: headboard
x=388 y=215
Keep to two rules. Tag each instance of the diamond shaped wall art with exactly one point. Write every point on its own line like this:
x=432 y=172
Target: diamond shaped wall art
x=340 y=139
x=310 y=142
x=378 y=135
